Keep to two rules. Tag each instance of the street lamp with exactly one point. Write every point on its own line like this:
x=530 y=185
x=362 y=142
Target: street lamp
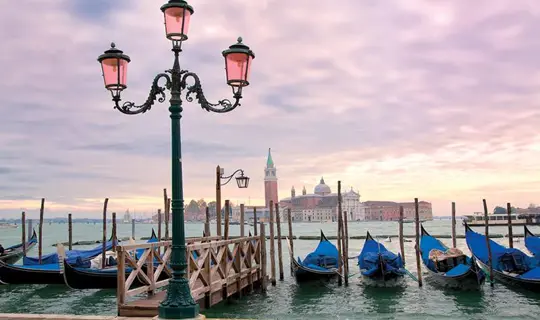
x=179 y=303
x=242 y=182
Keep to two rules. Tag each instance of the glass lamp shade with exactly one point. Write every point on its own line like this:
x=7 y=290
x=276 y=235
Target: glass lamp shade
x=242 y=182
x=114 y=65
x=238 y=60
x=177 y=15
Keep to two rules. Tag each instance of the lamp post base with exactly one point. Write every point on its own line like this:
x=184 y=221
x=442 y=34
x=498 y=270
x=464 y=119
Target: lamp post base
x=178 y=303
x=199 y=317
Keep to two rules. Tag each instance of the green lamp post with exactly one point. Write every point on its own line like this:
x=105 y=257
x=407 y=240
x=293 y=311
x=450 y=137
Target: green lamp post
x=179 y=304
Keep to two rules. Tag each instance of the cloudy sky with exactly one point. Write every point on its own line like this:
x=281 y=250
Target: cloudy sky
x=401 y=98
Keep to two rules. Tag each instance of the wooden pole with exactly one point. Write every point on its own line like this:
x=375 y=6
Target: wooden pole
x=104 y=244
x=272 y=246
x=263 y=258
x=255 y=221
x=454 y=240
x=207 y=223
x=167 y=219
x=114 y=232
x=133 y=229
x=166 y=212
x=242 y=220
x=279 y=250
x=227 y=217
x=30 y=229
x=291 y=243
x=159 y=226
x=510 y=233
x=70 y=232
x=41 y=211
x=401 y=242
x=346 y=250
x=218 y=200
x=23 y=230
x=340 y=250
x=488 y=244
x=417 y=246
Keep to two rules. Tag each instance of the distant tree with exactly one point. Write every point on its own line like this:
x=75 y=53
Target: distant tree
x=532 y=206
x=193 y=207
x=212 y=208
x=499 y=210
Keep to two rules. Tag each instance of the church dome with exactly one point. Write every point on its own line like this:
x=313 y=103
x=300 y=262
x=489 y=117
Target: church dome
x=322 y=189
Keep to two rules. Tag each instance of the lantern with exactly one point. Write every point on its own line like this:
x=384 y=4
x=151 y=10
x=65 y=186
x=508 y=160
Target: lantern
x=177 y=15
x=242 y=181
x=114 y=67
x=238 y=64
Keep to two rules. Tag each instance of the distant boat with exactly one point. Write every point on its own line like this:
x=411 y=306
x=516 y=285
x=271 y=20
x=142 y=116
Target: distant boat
x=413 y=220
x=8 y=226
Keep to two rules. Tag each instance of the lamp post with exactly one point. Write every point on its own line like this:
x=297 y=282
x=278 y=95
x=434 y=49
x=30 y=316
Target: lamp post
x=178 y=304
x=242 y=182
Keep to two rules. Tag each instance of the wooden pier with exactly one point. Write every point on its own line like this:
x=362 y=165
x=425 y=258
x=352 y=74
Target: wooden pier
x=217 y=270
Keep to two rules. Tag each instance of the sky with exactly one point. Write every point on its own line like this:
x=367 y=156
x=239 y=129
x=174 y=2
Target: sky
x=399 y=99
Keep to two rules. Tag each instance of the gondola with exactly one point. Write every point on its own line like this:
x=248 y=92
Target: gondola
x=510 y=266
x=320 y=264
x=73 y=256
x=532 y=243
x=449 y=267
x=378 y=265
x=40 y=274
x=14 y=253
x=93 y=278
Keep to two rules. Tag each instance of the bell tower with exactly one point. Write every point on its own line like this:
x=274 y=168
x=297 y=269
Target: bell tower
x=270 y=181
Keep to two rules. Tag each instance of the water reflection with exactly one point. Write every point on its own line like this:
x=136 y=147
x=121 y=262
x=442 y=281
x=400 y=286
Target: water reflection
x=383 y=300
x=467 y=302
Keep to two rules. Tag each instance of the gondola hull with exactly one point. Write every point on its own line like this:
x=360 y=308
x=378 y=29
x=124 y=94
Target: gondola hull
x=528 y=284
x=471 y=280
x=303 y=273
x=15 y=256
x=44 y=274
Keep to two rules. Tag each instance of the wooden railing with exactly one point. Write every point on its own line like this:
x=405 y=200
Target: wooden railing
x=217 y=268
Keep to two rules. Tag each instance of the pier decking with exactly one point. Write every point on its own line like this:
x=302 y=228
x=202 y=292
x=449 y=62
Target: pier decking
x=217 y=270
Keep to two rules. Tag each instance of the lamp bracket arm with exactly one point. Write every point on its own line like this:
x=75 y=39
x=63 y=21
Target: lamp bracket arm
x=222 y=106
x=229 y=178
x=156 y=92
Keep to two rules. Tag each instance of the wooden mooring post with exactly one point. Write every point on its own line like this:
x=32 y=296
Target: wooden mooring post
x=454 y=240
x=255 y=222
x=242 y=219
x=207 y=223
x=133 y=229
x=346 y=248
x=114 y=232
x=272 y=246
x=23 y=230
x=104 y=243
x=510 y=232
x=167 y=219
x=339 y=236
x=291 y=243
x=166 y=213
x=70 y=232
x=159 y=224
x=227 y=217
x=30 y=229
x=488 y=244
x=218 y=200
x=264 y=261
x=400 y=232
x=417 y=245
x=40 y=244
x=279 y=249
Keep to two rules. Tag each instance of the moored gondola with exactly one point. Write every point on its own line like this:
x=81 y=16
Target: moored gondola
x=378 y=265
x=15 y=253
x=449 y=267
x=320 y=264
x=510 y=265
x=532 y=243
x=40 y=274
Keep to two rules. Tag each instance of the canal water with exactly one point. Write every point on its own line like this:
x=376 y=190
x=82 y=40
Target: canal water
x=288 y=300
